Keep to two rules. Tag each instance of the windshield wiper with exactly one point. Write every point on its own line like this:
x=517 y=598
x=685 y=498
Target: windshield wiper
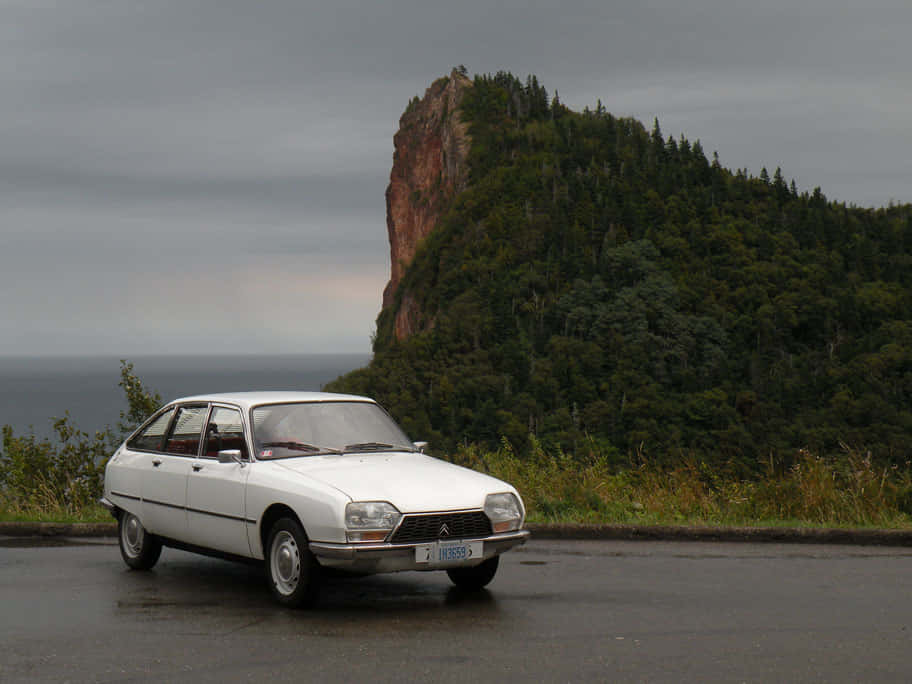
x=301 y=446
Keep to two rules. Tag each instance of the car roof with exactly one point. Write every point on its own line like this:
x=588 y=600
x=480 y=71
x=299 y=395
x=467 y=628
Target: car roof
x=247 y=400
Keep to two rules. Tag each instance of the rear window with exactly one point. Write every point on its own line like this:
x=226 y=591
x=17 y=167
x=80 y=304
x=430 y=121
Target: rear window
x=150 y=439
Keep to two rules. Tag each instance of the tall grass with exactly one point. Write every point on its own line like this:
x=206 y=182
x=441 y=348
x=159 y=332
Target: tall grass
x=810 y=491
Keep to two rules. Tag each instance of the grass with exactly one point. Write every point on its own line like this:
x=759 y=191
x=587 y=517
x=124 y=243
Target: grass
x=811 y=491
x=10 y=512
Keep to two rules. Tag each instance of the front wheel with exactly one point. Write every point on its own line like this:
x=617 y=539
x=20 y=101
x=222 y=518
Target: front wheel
x=140 y=550
x=475 y=577
x=293 y=571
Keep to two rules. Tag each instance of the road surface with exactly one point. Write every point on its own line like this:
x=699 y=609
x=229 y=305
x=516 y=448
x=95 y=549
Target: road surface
x=556 y=612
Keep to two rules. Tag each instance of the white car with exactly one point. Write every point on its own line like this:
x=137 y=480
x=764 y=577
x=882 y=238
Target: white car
x=304 y=481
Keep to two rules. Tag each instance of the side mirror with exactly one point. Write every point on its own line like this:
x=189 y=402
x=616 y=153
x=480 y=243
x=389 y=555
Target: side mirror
x=231 y=456
x=421 y=446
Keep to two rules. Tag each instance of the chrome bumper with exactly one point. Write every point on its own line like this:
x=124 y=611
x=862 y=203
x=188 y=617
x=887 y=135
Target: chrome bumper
x=394 y=557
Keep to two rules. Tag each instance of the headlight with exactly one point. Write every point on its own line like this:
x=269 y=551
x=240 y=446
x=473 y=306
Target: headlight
x=370 y=521
x=505 y=512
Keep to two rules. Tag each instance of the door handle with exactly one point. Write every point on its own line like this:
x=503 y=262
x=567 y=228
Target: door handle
x=156 y=462
x=197 y=467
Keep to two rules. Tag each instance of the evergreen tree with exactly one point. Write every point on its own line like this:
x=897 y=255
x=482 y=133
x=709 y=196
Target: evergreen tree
x=601 y=287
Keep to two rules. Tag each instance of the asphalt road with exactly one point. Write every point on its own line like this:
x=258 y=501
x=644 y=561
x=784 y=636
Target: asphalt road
x=557 y=611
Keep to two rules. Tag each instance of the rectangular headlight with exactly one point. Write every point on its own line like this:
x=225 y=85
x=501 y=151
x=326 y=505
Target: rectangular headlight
x=368 y=521
x=504 y=511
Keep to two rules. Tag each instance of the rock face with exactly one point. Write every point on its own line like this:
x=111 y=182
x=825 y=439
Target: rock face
x=429 y=168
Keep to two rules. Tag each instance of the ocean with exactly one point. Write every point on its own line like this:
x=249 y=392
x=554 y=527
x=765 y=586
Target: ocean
x=33 y=390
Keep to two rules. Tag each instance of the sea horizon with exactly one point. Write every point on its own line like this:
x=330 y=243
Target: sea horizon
x=35 y=389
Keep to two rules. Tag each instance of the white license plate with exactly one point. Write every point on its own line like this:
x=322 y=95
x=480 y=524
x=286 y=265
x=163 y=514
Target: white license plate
x=449 y=552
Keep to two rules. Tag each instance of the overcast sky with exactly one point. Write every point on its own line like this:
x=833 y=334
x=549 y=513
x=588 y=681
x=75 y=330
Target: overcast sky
x=198 y=176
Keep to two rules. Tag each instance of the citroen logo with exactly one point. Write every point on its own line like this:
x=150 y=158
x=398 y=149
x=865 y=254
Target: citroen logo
x=444 y=531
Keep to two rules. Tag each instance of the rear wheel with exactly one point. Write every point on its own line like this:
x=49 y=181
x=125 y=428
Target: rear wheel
x=475 y=577
x=293 y=572
x=140 y=550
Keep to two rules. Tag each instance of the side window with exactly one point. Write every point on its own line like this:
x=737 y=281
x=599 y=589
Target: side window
x=185 y=435
x=150 y=439
x=225 y=431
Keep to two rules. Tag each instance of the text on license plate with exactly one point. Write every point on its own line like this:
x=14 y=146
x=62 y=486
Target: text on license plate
x=438 y=553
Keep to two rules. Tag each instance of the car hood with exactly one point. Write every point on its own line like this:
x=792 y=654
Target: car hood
x=412 y=482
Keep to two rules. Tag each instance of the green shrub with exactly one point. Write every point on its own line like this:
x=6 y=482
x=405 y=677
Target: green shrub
x=64 y=476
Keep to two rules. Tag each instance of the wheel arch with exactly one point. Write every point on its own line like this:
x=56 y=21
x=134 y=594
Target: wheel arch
x=273 y=513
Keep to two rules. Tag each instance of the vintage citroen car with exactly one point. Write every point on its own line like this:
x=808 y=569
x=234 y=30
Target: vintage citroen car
x=304 y=482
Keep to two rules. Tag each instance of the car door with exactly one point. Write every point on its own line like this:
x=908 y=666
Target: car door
x=165 y=481
x=129 y=467
x=216 y=507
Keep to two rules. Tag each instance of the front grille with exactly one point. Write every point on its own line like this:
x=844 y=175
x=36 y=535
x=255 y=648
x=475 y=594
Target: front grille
x=421 y=528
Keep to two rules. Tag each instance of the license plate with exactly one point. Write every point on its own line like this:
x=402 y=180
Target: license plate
x=448 y=552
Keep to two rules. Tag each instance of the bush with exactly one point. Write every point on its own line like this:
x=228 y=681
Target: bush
x=64 y=476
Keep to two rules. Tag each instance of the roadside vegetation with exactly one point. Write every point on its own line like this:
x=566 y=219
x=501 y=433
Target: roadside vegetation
x=808 y=491
x=61 y=479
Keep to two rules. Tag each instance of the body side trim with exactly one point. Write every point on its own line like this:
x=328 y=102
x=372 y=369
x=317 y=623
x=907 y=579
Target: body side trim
x=196 y=510
x=126 y=496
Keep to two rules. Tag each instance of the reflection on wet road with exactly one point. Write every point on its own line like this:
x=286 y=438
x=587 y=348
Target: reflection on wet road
x=557 y=611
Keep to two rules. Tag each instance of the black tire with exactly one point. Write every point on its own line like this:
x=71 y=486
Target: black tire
x=476 y=577
x=140 y=549
x=291 y=569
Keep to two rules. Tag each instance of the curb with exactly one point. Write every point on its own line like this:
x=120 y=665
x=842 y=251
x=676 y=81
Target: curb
x=776 y=535
x=566 y=531
x=45 y=529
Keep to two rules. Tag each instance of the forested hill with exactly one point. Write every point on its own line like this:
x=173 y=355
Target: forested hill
x=605 y=288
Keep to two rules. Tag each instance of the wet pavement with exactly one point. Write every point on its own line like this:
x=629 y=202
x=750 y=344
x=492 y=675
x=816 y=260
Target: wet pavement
x=557 y=611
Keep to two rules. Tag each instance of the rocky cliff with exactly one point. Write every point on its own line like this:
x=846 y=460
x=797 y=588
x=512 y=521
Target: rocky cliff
x=429 y=168
x=620 y=297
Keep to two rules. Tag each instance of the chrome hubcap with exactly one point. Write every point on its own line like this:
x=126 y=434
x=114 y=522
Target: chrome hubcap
x=285 y=562
x=132 y=535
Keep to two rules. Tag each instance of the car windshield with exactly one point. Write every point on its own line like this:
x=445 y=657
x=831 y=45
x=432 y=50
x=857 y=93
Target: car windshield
x=325 y=427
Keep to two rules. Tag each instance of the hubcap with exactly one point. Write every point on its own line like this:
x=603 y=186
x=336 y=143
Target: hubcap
x=285 y=562
x=132 y=535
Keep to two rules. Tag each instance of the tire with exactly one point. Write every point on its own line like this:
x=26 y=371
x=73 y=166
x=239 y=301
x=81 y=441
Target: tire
x=140 y=549
x=291 y=569
x=476 y=577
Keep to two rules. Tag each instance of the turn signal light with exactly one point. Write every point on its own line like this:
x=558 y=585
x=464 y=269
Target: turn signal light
x=378 y=536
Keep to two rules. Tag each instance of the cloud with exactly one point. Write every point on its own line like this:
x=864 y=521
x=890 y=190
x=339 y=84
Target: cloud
x=152 y=149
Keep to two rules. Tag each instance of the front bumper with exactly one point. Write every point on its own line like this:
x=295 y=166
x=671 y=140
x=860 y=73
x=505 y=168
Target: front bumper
x=371 y=558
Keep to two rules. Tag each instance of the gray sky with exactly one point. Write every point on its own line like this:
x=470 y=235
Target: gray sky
x=197 y=176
